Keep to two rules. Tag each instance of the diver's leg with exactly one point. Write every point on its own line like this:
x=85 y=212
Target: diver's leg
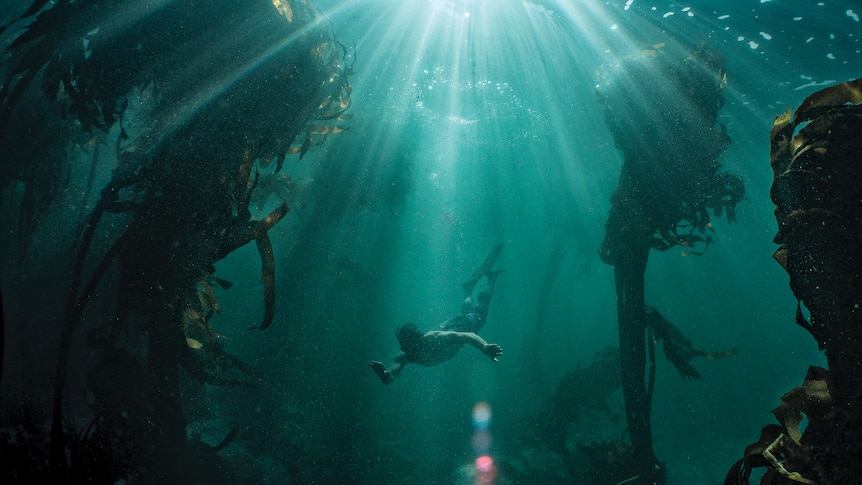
x=483 y=301
x=484 y=298
x=469 y=285
x=483 y=270
x=492 y=278
x=467 y=305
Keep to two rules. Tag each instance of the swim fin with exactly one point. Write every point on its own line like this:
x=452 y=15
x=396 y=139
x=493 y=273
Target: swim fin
x=484 y=269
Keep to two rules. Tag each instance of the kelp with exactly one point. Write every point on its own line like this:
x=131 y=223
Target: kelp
x=677 y=347
x=207 y=360
x=264 y=247
x=36 y=174
x=785 y=449
x=662 y=109
x=179 y=199
x=610 y=462
x=583 y=399
x=580 y=395
x=817 y=192
x=279 y=188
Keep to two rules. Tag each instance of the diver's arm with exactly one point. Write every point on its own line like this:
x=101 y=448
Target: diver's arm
x=491 y=350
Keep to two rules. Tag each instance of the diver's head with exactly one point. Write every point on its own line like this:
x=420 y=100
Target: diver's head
x=409 y=336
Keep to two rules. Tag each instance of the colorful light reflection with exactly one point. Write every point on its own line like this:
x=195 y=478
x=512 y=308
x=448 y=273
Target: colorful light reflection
x=481 y=415
x=486 y=471
x=484 y=464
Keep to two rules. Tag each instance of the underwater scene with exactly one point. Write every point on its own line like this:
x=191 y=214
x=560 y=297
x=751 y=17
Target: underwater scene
x=464 y=242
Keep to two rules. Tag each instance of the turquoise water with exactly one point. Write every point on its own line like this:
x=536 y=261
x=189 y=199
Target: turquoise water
x=475 y=122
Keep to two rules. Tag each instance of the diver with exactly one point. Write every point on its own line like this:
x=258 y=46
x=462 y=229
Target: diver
x=429 y=349
x=437 y=346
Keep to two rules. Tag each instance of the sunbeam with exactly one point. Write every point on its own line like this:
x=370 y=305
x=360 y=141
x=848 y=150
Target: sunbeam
x=325 y=172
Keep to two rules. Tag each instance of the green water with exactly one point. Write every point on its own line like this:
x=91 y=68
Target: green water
x=474 y=123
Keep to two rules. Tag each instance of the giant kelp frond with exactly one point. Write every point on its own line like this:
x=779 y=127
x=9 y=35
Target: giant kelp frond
x=334 y=92
x=678 y=349
x=662 y=111
x=817 y=196
x=227 y=84
x=581 y=394
x=817 y=192
x=206 y=359
x=788 y=451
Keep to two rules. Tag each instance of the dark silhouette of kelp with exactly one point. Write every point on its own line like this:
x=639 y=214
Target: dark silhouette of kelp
x=662 y=108
x=817 y=192
x=586 y=398
x=580 y=395
x=176 y=203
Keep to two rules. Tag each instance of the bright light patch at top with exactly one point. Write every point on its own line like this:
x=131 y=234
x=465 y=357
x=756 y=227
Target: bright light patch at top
x=457 y=9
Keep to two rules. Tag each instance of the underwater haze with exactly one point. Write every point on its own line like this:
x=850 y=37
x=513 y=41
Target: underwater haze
x=417 y=136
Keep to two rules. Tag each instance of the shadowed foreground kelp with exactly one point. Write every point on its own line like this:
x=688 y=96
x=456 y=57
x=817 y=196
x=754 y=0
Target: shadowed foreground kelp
x=817 y=191
x=197 y=94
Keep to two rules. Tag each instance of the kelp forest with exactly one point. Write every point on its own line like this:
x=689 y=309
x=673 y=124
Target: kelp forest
x=188 y=159
x=216 y=213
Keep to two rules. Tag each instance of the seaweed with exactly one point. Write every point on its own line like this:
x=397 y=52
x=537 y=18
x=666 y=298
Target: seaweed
x=785 y=449
x=586 y=398
x=677 y=347
x=817 y=192
x=663 y=111
x=178 y=200
x=580 y=394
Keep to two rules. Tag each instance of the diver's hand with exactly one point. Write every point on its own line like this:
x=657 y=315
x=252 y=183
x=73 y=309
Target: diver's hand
x=493 y=351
